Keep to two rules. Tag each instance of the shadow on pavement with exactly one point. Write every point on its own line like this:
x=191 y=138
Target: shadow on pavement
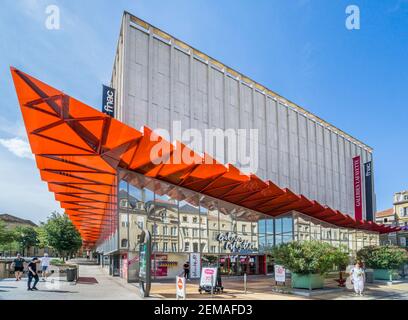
x=58 y=291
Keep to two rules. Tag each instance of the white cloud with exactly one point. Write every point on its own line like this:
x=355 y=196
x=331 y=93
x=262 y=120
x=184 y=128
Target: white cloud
x=18 y=147
x=11 y=128
x=23 y=194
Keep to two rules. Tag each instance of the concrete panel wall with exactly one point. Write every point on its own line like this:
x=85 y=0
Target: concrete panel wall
x=160 y=82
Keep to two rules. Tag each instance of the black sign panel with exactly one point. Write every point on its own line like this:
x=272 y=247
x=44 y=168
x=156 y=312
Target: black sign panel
x=108 y=101
x=368 y=177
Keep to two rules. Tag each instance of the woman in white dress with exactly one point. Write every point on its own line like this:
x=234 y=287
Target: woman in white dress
x=358 y=278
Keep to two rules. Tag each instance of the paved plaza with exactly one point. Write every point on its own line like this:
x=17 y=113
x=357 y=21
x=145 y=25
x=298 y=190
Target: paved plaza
x=95 y=284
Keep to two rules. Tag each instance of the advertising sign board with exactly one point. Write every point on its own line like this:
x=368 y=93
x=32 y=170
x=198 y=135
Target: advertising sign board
x=180 y=288
x=280 y=273
x=195 y=265
x=208 y=277
x=145 y=263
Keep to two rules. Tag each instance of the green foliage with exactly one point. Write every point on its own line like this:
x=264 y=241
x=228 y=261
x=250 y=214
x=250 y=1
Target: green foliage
x=26 y=237
x=6 y=236
x=57 y=262
x=310 y=257
x=341 y=258
x=383 y=257
x=9 y=247
x=42 y=236
x=61 y=234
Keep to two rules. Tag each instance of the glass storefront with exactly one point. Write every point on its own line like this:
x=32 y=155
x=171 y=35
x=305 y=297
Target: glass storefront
x=183 y=222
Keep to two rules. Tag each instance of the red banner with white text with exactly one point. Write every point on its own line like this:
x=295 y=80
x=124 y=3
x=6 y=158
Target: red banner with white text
x=358 y=203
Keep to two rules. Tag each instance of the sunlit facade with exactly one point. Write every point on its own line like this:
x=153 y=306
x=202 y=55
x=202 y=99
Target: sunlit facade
x=183 y=222
x=101 y=173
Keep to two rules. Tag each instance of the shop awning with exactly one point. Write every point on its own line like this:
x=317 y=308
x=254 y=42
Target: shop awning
x=79 y=149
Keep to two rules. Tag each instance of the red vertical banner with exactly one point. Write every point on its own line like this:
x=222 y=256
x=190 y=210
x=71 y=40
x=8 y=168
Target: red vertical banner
x=358 y=204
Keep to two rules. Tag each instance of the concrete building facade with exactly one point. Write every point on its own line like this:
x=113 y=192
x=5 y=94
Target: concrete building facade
x=160 y=79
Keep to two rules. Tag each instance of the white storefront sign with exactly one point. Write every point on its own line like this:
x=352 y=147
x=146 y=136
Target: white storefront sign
x=403 y=242
x=180 y=288
x=235 y=243
x=280 y=273
x=195 y=265
x=208 y=277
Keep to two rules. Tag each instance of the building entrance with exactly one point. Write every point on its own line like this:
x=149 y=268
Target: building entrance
x=238 y=265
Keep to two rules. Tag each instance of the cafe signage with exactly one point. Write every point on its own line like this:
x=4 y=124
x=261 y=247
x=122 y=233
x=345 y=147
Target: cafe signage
x=235 y=243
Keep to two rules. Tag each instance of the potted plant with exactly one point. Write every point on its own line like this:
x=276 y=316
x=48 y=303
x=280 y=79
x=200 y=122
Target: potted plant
x=308 y=262
x=59 y=265
x=385 y=260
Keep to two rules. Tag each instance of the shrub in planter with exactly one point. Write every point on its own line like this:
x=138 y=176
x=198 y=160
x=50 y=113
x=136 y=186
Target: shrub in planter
x=385 y=260
x=308 y=261
x=57 y=262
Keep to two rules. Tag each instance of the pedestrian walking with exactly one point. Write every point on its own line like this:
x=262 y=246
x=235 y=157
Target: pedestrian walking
x=186 y=268
x=18 y=264
x=358 y=278
x=32 y=273
x=45 y=264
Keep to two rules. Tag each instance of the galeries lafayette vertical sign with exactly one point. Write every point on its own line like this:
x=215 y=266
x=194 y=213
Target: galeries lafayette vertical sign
x=235 y=243
x=358 y=204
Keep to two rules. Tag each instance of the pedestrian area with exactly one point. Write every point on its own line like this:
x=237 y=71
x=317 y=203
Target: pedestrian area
x=263 y=288
x=95 y=284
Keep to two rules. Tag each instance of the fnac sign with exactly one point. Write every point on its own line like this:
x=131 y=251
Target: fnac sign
x=108 y=101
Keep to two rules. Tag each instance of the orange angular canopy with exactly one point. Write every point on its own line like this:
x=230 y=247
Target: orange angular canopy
x=79 y=149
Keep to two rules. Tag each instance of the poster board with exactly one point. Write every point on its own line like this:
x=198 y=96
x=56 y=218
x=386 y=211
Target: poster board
x=180 y=288
x=208 y=277
x=195 y=265
x=280 y=273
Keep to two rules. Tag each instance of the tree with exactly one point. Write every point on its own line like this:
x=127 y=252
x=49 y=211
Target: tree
x=6 y=238
x=62 y=235
x=26 y=237
x=42 y=236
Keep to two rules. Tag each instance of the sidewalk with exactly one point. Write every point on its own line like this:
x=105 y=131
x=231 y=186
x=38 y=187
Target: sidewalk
x=373 y=291
x=95 y=285
x=261 y=288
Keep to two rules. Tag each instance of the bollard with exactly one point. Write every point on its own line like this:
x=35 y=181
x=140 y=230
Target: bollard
x=212 y=286
x=245 y=282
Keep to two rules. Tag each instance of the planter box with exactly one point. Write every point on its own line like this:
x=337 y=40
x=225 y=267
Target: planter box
x=307 y=281
x=386 y=274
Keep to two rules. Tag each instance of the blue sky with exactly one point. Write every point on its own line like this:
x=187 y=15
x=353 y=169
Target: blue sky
x=356 y=80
